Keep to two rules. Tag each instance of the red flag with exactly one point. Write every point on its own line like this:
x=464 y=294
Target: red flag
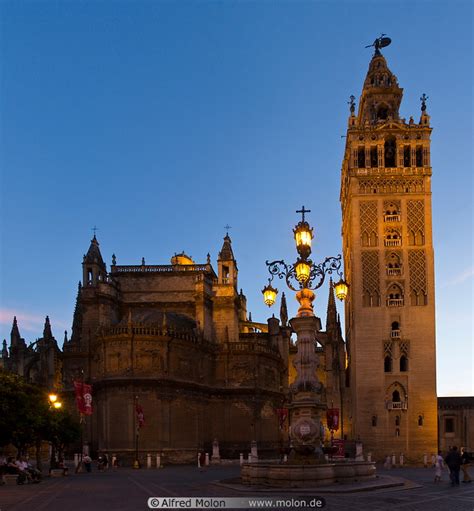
x=140 y=416
x=332 y=418
x=87 y=397
x=282 y=415
x=83 y=393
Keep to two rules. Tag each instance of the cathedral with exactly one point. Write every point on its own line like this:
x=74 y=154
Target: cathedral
x=177 y=339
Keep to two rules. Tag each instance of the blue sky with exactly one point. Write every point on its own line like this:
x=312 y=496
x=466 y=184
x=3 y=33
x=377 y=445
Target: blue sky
x=161 y=122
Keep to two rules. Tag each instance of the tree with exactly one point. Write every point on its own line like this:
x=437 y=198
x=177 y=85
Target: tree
x=26 y=418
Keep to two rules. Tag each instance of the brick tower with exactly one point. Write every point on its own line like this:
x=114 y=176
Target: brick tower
x=388 y=253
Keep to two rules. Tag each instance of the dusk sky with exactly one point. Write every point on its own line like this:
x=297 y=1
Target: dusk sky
x=161 y=122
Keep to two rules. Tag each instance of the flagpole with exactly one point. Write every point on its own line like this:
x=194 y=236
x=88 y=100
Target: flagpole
x=136 y=463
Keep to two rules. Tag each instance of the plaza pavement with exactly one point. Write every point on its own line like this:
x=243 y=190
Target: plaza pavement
x=128 y=490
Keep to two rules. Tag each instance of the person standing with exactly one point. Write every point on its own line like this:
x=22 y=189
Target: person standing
x=86 y=459
x=453 y=460
x=465 y=459
x=438 y=464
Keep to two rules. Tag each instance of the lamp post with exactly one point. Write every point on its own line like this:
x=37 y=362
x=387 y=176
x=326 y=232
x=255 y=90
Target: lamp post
x=307 y=393
x=54 y=404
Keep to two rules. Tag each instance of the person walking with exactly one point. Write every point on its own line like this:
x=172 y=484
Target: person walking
x=86 y=459
x=465 y=459
x=438 y=464
x=453 y=460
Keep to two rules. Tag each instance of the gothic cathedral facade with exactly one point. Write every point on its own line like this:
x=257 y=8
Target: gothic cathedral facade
x=388 y=254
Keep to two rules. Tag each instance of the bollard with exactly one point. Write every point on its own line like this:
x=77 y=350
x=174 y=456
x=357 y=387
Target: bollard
x=394 y=460
x=369 y=457
x=433 y=460
x=76 y=459
x=114 y=461
x=241 y=458
x=148 y=460
x=249 y=458
x=326 y=457
x=285 y=458
x=207 y=459
x=425 y=460
x=402 y=459
x=158 y=460
x=199 y=460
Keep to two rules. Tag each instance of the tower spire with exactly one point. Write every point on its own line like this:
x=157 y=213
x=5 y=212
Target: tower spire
x=283 y=311
x=15 y=333
x=331 y=315
x=47 y=334
x=77 y=318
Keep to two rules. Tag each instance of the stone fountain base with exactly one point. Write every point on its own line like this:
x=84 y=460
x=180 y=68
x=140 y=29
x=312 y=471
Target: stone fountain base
x=287 y=475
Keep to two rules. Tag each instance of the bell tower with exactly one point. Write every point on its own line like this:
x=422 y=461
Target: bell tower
x=388 y=256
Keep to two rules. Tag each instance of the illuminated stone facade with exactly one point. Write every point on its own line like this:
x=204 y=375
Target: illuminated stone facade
x=388 y=254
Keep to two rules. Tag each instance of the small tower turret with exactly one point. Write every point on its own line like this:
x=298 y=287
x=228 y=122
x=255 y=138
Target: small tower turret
x=226 y=264
x=283 y=311
x=47 y=334
x=93 y=266
x=331 y=315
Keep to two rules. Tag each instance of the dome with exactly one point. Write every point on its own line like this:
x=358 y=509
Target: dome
x=181 y=259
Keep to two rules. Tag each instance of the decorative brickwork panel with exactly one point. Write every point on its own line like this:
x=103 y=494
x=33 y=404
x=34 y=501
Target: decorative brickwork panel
x=388 y=349
x=368 y=223
x=404 y=348
x=418 y=285
x=370 y=279
x=382 y=185
x=416 y=222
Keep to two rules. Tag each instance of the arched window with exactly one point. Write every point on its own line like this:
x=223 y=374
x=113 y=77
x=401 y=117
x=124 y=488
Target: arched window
x=387 y=365
x=397 y=431
x=374 y=421
x=419 y=156
x=390 y=148
x=397 y=420
x=396 y=396
x=382 y=113
x=374 y=159
x=395 y=325
x=420 y=420
x=407 y=156
x=403 y=364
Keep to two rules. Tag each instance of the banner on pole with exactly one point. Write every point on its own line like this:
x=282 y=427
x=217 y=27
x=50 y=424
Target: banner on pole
x=140 y=416
x=83 y=393
x=332 y=418
x=282 y=416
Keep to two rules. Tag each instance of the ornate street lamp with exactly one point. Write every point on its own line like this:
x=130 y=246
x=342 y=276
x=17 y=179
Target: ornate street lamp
x=269 y=294
x=307 y=403
x=304 y=276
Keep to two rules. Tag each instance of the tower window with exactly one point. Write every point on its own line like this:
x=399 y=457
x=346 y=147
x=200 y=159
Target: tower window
x=449 y=425
x=374 y=160
x=407 y=156
x=382 y=113
x=403 y=364
x=420 y=420
x=387 y=366
x=390 y=148
x=397 y=431
x=419 y=156
x=397 y=420
x=361 y=157
x=374 y=421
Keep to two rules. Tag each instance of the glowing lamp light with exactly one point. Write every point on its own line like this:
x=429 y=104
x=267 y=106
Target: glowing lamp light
x=57 y=404
x=303 y=270
x=269 y=294
x=341 y=289
x=53 y=398
x=303 y=237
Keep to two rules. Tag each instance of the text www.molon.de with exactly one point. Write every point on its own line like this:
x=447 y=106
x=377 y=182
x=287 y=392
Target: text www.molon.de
x=306 y=502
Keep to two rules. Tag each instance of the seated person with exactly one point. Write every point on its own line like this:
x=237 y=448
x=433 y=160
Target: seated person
x=23 y=474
